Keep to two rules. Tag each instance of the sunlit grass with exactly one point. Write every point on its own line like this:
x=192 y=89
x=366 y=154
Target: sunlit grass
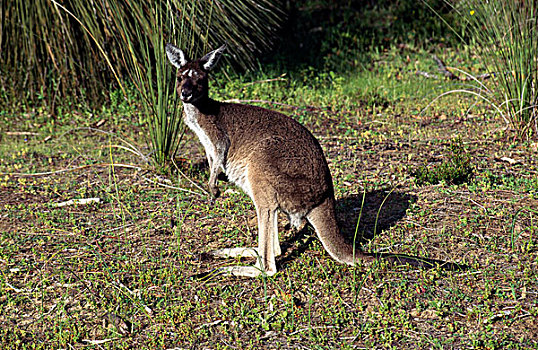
x=118 y=274
x=504 y=36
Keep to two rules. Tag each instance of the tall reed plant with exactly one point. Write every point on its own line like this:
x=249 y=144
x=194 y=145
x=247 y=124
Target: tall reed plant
x=51 y=50
x=56 y=50
x=506 y=38
x=140 y=37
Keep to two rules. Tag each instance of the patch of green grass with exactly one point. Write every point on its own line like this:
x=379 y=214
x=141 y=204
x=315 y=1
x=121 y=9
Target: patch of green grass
x=455 y=169
x=522 y=182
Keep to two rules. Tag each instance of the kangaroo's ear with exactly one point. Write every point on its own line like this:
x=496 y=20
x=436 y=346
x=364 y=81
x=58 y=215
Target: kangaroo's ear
x=210 y=60
x=176 y=56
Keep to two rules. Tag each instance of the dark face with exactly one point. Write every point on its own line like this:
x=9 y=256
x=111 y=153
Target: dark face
x=192 y=83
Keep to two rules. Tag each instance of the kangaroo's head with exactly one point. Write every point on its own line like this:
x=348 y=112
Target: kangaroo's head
x=192 y=76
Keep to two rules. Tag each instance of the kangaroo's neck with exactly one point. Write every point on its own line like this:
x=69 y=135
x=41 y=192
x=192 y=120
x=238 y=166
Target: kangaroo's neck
x=205 y=106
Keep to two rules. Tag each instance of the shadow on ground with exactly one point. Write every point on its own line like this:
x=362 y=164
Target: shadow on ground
x=380 y=210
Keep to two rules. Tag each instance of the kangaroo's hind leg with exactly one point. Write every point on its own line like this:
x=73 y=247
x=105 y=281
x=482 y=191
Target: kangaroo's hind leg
x=264 y=197
x=264 y=254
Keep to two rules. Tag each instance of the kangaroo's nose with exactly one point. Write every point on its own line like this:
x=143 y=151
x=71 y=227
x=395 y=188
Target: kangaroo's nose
x=186 y=89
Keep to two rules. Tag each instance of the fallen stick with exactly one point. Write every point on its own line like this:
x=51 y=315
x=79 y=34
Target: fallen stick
x=80 y=201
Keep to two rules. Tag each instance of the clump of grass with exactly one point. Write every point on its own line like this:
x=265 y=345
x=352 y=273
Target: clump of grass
x=141 y=39
x=504 y=35
x=455 y=169
x=505 y=32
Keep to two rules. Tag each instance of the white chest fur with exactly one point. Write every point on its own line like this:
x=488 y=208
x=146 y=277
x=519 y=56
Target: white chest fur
x=191 y=119
x=237 y=171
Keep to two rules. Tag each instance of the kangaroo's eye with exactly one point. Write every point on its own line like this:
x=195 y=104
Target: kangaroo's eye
x=191 y=73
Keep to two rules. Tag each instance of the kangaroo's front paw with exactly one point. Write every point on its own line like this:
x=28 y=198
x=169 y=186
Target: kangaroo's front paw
x=214 y=191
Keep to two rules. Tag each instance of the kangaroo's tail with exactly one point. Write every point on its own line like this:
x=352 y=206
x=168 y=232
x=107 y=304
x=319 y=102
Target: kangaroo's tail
x=323 y=219
x=424 y=263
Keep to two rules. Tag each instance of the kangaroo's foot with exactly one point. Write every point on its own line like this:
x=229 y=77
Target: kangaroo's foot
x=241 y=252
x=237 y=271
x=214 y=191
x=244 y=271
x=246 y=252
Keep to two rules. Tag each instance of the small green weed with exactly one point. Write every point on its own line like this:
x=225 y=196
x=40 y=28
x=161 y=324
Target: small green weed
x=456 y=169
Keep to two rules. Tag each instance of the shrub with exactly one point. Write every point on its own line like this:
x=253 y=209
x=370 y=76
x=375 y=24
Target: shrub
x=508 y=42
x=67 y=48
x=455 y=169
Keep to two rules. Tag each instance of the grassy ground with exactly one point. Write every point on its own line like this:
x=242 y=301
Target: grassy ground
x=116 y=273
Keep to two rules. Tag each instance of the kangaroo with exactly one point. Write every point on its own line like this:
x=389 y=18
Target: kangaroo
x=275 y=160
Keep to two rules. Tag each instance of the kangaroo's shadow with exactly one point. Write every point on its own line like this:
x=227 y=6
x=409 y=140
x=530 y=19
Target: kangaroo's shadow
x=359 y=220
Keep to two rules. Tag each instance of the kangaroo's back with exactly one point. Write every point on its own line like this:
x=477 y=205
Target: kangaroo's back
x=284 y=153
